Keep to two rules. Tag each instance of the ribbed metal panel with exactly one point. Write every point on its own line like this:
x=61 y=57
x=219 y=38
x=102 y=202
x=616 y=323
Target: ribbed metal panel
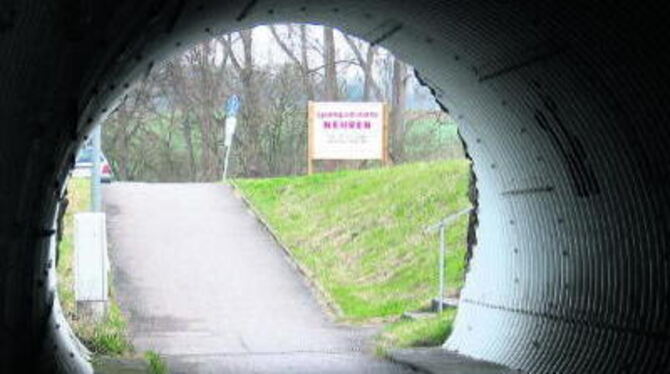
x=561 y=105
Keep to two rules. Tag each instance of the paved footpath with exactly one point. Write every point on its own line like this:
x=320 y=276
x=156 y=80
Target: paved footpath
x=207 y=287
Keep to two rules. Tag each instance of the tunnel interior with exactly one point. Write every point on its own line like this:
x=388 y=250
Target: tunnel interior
x=560 y=106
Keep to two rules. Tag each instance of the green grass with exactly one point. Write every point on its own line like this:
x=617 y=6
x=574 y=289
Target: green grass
x=109 y=336
x=157 y=364
x=360 y=233
x=427 y=332
x=79 y=201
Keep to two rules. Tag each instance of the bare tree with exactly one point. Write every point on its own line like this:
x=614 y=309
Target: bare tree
x=303 y=62
x=366 y=63
x=251 y=115
x=174 y=80
x=170 y=125
x=398 y=98
x=128 y=120
x=330 y=77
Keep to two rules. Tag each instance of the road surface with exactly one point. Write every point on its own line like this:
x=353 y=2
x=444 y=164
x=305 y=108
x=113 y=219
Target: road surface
x=207 y=287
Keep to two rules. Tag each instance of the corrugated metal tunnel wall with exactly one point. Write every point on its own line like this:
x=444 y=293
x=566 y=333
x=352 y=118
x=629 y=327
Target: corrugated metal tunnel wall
x=560 y=103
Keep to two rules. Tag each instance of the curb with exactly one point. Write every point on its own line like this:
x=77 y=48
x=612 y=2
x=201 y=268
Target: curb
x=437 y=360
x=332 y=309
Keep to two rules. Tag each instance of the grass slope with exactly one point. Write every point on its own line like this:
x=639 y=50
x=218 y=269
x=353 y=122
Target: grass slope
x=427 y=332
x=360 y=233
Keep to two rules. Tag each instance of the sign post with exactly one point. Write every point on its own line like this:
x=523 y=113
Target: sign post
x=385 y=147
x=346 y=131
x=310 y=138
x=232 y=106
x=96 y=200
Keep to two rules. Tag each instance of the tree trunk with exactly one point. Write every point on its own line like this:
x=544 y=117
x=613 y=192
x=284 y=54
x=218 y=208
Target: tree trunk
x=330 y=81
x=188 y=139
x=250 y=108
x=330 y=78
x=367 y=73
x=307 y=80
x=397 y=111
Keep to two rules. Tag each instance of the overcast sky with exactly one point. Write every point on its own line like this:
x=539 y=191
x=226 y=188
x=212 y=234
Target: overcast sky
x=268 y=52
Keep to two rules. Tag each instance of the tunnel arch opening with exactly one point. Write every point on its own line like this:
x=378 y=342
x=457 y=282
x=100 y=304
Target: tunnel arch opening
x=422 y=261
x=559 y=105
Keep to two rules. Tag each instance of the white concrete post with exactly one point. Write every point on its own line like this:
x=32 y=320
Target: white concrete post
x=91 y=264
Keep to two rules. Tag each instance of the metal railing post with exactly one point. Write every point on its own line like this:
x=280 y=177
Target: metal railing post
x=441 y=226
x=442 y=254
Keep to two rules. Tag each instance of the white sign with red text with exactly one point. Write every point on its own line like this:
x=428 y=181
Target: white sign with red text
x=347 y=131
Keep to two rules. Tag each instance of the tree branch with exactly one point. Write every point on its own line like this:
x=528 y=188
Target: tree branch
x=284 y=47
x=227 y=45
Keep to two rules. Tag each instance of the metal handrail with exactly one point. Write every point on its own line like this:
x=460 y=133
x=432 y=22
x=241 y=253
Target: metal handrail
x=446 y=220
x=440 y=226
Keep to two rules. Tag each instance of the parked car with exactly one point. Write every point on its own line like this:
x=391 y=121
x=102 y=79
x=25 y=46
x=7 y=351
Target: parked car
x=84 y=164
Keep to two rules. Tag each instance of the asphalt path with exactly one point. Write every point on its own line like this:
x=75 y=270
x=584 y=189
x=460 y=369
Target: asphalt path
x=206 y=286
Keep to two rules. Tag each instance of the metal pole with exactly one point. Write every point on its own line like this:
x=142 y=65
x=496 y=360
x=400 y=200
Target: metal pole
x=232 y=106
x=440 y=298
x=231 y=124
x=96 y=201
x=225 y=162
